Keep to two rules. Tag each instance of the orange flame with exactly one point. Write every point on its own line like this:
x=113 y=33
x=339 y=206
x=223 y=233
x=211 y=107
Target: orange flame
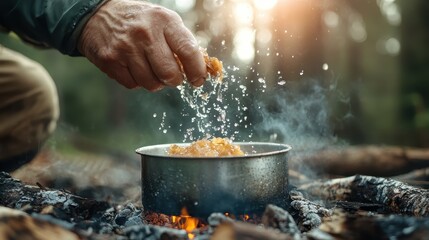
x=186 y=222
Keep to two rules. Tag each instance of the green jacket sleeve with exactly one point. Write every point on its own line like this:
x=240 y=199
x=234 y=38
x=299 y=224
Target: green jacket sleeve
x=52 y=23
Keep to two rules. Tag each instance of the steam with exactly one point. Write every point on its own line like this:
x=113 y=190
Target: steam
x=298 y=114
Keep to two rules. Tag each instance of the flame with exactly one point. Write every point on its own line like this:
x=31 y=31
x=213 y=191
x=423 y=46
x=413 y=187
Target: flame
x=186 y=222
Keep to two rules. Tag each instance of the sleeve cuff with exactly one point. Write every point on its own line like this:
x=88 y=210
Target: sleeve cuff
x=79 y=21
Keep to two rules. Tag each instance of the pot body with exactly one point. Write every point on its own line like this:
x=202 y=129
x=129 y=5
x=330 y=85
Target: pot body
x=237 y=185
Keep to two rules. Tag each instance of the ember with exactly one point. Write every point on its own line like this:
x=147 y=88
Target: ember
x=186 y=222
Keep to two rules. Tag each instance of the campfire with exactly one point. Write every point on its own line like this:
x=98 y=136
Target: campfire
x=186 y=222
x=354 y=207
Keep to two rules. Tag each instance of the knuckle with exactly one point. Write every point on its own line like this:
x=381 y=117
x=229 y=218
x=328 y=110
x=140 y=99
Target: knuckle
x=170 y=77
x=108 y=57
x=166 y=14
x=142 y=32
x=187 y=49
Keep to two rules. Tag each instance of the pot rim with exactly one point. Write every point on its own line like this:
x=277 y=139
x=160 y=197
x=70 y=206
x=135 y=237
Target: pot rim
x=145 y=151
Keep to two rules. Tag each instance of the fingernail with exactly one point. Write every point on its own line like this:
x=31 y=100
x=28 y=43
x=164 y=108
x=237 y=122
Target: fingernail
x=198 y=79
x=199 y=82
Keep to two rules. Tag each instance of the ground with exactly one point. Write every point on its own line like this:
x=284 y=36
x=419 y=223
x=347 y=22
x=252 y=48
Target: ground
x=93 y=175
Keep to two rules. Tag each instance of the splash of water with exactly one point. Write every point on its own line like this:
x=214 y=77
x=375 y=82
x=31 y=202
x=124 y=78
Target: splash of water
x=215 y=108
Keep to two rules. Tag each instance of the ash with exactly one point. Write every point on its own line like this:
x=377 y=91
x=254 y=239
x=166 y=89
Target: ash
x=55 y=197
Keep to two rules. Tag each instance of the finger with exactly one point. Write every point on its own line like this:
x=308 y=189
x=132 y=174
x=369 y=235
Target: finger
x=122 y=75
x=199 y=82
x=163 y=63
x=184 y=45
x=143 y=75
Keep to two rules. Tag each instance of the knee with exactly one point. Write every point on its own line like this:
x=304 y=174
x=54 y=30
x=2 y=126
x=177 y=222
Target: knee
x=30 y=109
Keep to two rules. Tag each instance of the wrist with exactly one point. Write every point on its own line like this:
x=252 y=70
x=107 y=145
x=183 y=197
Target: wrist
x=78 y=34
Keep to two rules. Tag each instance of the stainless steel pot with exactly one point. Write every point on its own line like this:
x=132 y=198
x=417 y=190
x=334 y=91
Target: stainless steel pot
x=237 y=185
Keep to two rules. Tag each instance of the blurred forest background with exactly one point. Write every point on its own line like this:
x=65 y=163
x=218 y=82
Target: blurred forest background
x=322 y=71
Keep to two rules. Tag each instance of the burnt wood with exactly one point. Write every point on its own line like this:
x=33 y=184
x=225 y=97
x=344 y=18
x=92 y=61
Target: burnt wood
x=32 y=199
x=395 y=196
x=279 y=218
x=370 y=226
x=247 y=231
x=307 y=214
x=366 y=160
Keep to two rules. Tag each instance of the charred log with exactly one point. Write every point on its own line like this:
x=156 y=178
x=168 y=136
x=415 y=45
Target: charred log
x=278 y=218
x=215 y=219
x=368 y=160
x=151 y=232
x=395 y=196
x=16 y=224
x=247 y=231
x=346 y=226
x=308 y=215
x=31 y=199
x=62 y=208
x=353 y=207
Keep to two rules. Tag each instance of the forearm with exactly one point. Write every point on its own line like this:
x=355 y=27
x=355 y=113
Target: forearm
x=53 y=23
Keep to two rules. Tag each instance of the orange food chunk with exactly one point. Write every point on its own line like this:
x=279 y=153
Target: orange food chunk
x=216 y=147
x=214 y=66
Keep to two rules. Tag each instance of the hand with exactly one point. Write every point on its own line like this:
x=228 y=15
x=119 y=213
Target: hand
x=135 y=43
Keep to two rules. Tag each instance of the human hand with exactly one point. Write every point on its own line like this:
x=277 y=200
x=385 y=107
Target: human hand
x=135 y=43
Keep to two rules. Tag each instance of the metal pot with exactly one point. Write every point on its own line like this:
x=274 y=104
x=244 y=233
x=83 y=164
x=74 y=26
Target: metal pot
x=237 y=185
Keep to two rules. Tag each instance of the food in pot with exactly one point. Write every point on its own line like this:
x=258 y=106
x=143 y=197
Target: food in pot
x=216 y=147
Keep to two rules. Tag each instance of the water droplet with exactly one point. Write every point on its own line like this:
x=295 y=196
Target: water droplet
x=325 y=66
x=154 y=115
x=164 y=131
x=301 y=73
x=281 y=83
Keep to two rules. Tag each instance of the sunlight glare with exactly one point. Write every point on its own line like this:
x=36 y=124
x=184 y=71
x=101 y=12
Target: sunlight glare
x=185 y=5
x=265 y=4
x=357 y=29
x=264 y=36
x=393 y=46
x=331 y=19
x=243 y=13
x=244 y=48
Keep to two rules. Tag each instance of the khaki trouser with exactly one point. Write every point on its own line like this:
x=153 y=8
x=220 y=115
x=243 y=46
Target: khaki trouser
x=28 y=104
